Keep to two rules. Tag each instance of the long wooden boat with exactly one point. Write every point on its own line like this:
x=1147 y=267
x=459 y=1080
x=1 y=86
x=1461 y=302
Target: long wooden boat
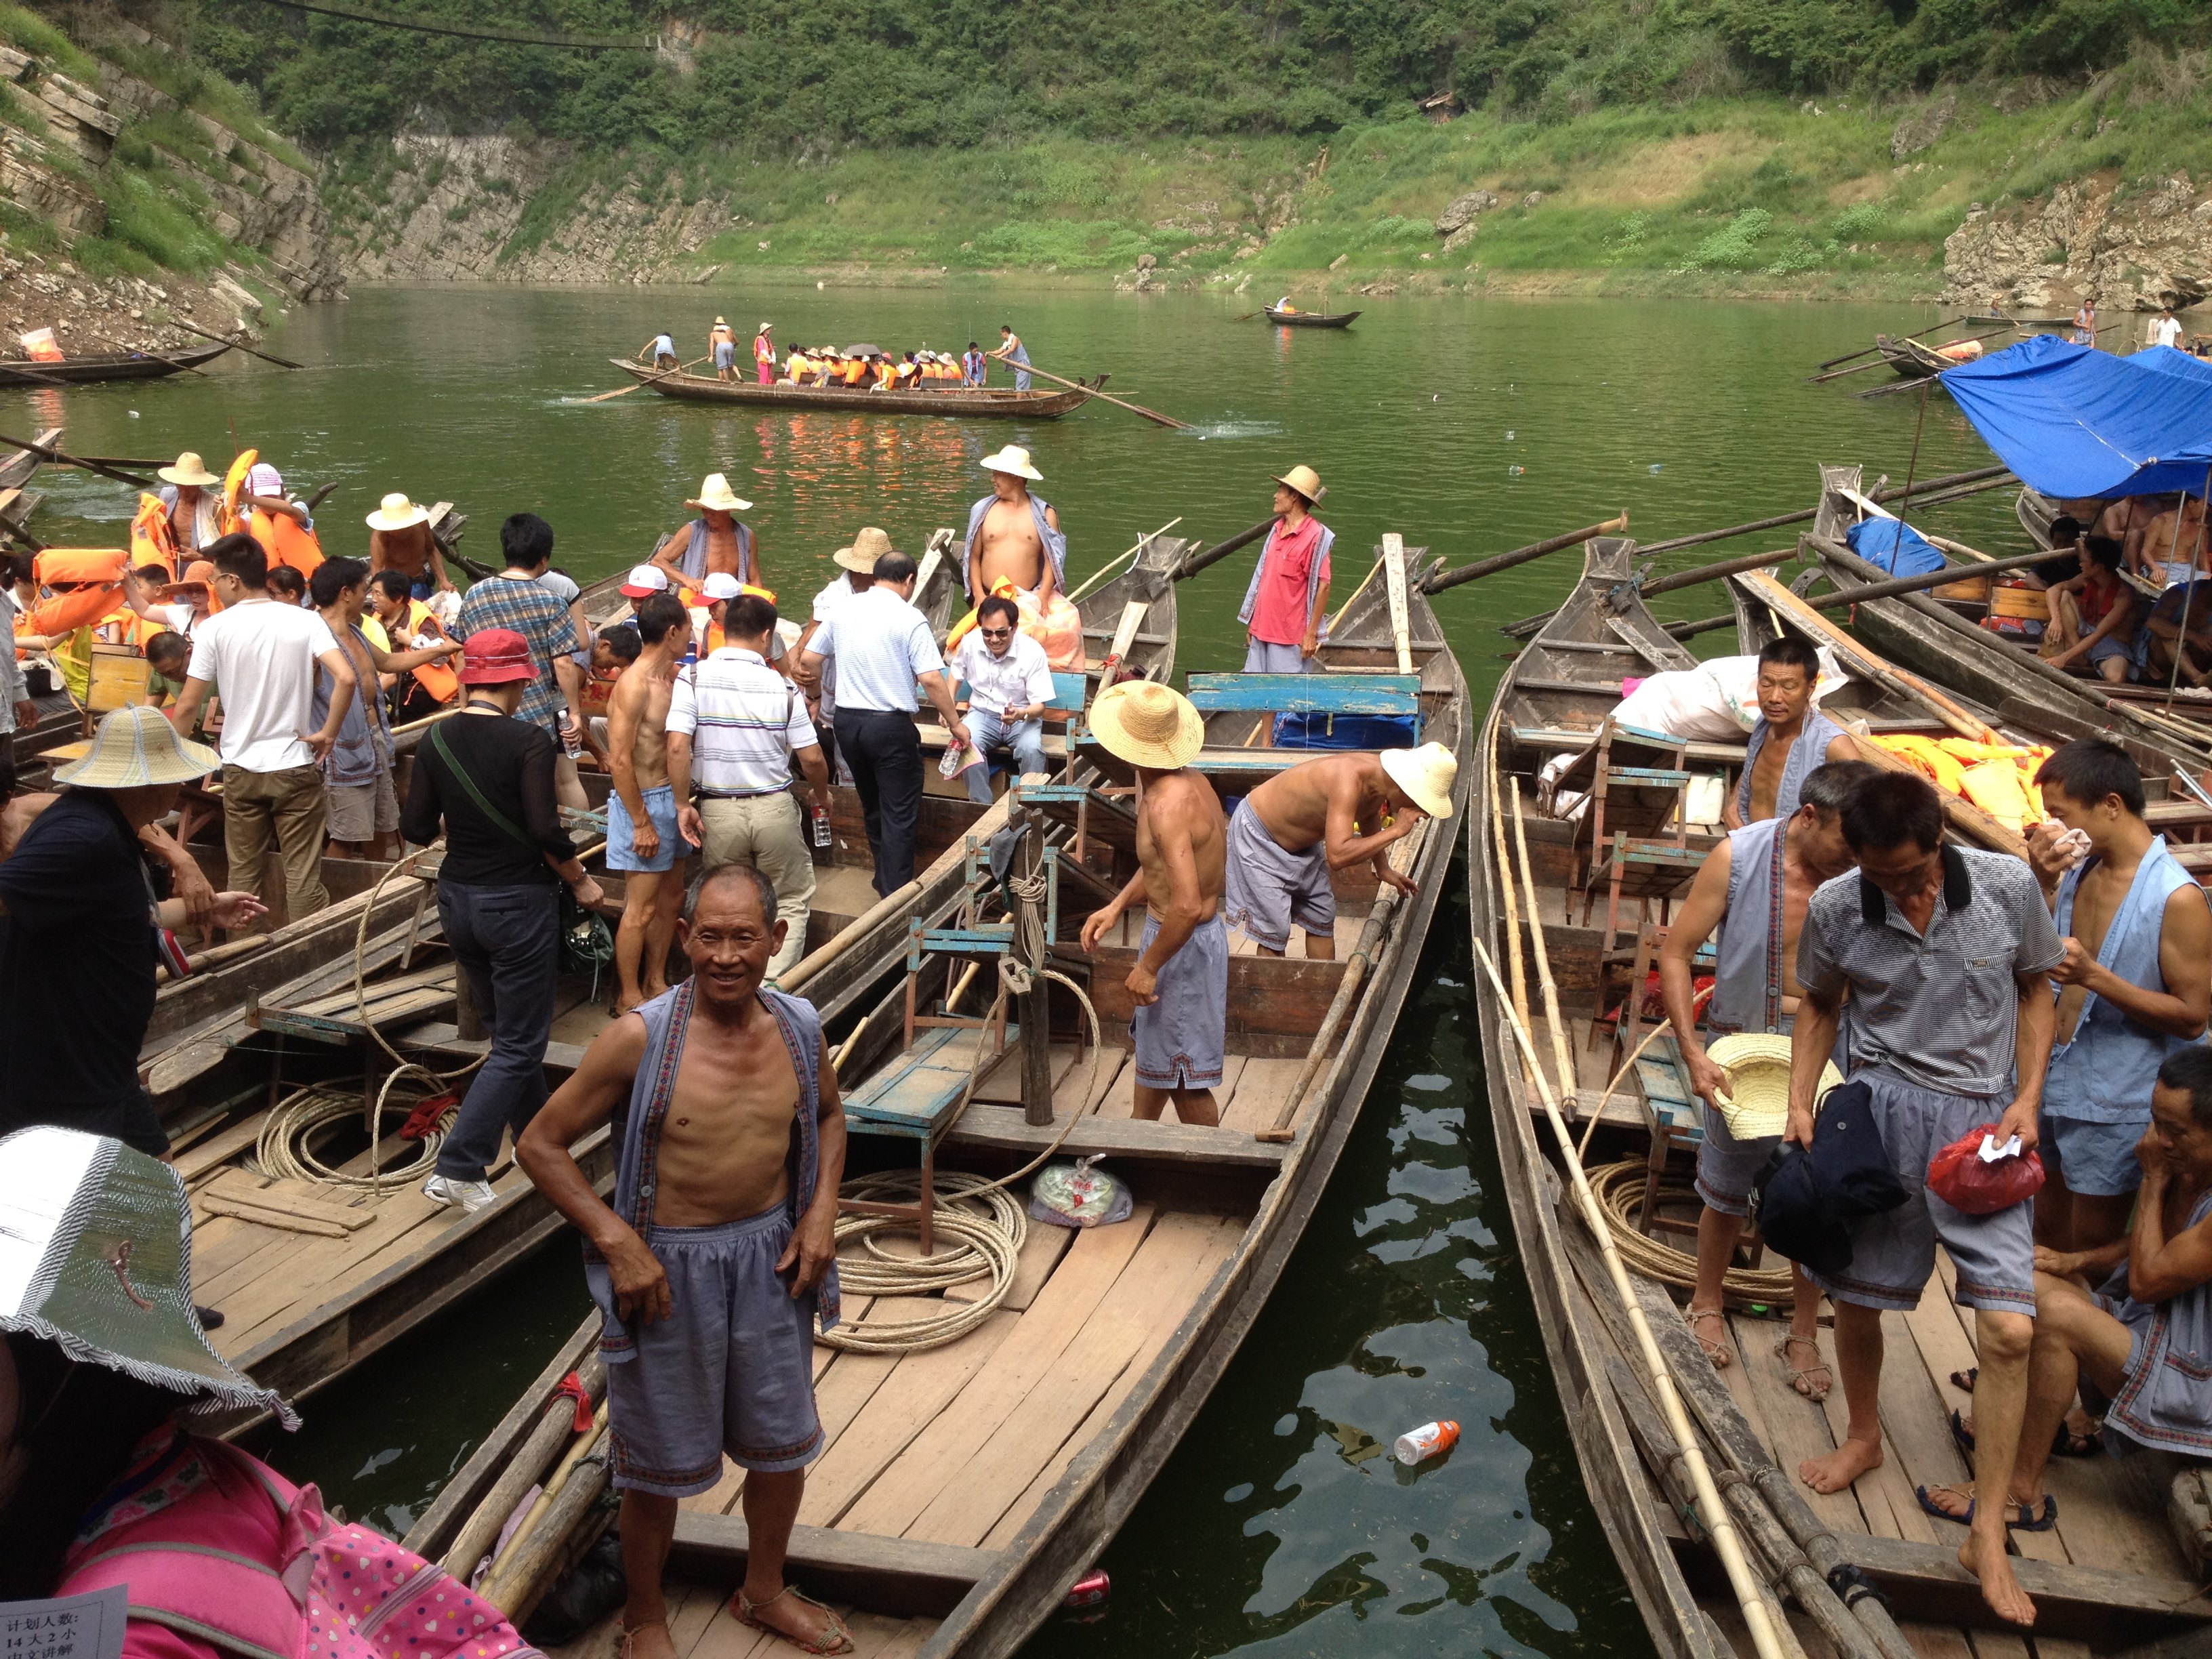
x=1309 y=319
x=965 y=1487
x=1910 y=359
x=964 y=402
x=109 y=366
x=2108 y=1577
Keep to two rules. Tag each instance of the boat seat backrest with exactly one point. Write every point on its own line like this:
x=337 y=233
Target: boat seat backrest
x=1388 y=695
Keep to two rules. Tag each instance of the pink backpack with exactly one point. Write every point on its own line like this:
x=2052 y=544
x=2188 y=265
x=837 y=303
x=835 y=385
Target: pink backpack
x=217 y=1546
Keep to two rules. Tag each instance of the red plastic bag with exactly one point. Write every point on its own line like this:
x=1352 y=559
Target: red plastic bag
x=1963 y=1179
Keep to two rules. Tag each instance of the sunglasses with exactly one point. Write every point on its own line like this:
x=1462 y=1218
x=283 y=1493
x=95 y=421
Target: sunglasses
x=996 y=632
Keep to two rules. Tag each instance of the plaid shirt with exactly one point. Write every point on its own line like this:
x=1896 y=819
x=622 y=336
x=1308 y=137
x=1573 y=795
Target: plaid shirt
x=539 y=617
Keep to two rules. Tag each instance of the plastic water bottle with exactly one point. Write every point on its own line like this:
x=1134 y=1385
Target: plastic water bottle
x=822 y=837
x=950 y=766
x=1430 y=1440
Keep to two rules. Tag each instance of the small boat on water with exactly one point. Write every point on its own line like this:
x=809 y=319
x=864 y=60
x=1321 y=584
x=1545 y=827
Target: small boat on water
x=967 y=1484
x=1309 y=319
x=2109 y=1576
x=962 y=403
x=1910 y=359
x=109 y=366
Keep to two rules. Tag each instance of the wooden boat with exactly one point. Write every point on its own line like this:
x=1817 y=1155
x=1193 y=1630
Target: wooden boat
x=965 y=1487
x=1309 y=319
x=109 y=366
x=964 y=402
x=2107 y=1577
x=1910 y=359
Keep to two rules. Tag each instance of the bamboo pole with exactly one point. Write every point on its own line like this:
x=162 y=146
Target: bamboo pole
x=522 y=1577
x=1152 y=415
x=624 y=390
x=1562 y=1051
x=1948 y=481
x=1948 y=322
x=235 y=345
x=557 y=1423
x=1195 y=562
x=812 y=963
x=1468 y=573
x=1099 y=574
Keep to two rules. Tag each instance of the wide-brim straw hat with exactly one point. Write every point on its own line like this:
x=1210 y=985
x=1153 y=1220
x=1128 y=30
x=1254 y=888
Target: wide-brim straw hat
x=398 y=513
x=95 y=1257
x=716 y=496
x=1303 y=479
x=1015 y=460
x=870 y=545
x=1757 y=1103
x=1148 y=724
x=764 y=328
x=138 y=749
x=190 y=471
x=199 y=574
x=1426 y=774
x=848 y=558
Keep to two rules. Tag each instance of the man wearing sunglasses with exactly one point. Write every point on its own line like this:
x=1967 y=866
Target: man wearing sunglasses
x=1009 y=684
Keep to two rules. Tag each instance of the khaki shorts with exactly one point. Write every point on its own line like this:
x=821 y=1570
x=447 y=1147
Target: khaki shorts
x=357 y=813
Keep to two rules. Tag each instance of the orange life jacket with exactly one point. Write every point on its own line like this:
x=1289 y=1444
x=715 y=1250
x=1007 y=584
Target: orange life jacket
x=855 y=372
x=153 y=541
x=286 y=541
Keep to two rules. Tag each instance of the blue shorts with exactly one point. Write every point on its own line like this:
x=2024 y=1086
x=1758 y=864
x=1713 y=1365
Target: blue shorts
x=726 y=355
x=421 y=588
x=2096 y=1160
x=622 y=832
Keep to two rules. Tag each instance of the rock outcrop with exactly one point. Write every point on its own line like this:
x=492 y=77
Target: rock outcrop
x=2127 y=253
x=1921 y=129
x=1460 y=214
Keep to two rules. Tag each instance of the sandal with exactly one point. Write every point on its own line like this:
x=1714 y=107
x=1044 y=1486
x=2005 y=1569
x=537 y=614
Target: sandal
x=1801 y=1377
x=835 y=1639
x=2064 y=1443
x=1964 y=1381
x=2032 y=1518
x=1718 y=1352
x=629 y=1647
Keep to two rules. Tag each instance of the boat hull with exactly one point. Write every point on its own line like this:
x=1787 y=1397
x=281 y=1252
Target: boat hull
x=113 y=366
x=992 y=404
x=1312 y=319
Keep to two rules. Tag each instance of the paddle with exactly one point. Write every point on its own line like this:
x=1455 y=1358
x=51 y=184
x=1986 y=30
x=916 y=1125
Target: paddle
x=1949 y=572
x=1099 y=574
x=235 y=345
x=624 y=390
x=1198 y=561
x=56 y=458
x=1963 y=316
x=1468 y=573
x=1152 y=415
x=142 y=351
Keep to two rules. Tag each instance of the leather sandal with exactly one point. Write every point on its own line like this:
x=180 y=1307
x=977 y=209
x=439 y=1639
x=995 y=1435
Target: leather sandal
x=834 y=1639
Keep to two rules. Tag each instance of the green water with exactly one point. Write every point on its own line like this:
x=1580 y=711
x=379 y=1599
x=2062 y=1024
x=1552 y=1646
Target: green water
x=1281 y=1526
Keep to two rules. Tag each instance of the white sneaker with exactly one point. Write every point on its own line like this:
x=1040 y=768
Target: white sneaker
x=471 y=1195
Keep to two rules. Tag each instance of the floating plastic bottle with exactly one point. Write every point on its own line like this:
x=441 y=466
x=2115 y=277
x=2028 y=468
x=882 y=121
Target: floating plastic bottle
x=1515 y=472
x=1430 y=1440
x=1088 y=1591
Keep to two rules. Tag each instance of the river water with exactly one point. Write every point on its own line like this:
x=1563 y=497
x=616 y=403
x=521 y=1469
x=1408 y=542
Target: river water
x=1281 y=1526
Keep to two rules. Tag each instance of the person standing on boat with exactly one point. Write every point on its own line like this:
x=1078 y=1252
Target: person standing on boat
x=717 y=1251
x=1179 y=981
x=662 y=350
x=856 y=574
x=400 y=539
x=763 y=355
x=1945 y=953
x=722 y=346
x=1011 y=350
x=2085 y=323
x=519 y=600
x=717 y=540
x=975 y=367
x=2165 y=329
x=1288 y=835
x=1752 y=890
x=1287 y=603
x=643 y=840
x=1789 y=737
x=194 y=517
x=1013 y=535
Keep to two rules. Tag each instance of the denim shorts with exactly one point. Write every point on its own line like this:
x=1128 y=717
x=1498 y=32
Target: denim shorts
x=2097 y=1160
x=622 y=832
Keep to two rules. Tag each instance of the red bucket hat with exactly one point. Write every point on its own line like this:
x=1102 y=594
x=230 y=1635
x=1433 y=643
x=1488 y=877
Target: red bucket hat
x=496 y=656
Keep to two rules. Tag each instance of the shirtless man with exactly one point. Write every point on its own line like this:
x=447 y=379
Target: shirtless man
x=1287 y=835
x=1734 y=894
x=1180 y=983
x=400 y=539
x=709 y=1266
x=1013 y=534
x=2124 y=520
x=1789 y=739
x=2190 y=605
x=722 y=347
x=715 y=541
x=643 y=841
x=2174 y=545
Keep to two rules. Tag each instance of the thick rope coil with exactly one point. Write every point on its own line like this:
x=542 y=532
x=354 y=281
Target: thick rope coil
x=1620 y=1190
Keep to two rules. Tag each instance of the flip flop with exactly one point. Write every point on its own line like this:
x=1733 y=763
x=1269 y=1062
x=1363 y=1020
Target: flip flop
x=2063 y=1444
x=835 y=1639
x=1964 y=1381
x=1718 y=1352
x=2031 y=1519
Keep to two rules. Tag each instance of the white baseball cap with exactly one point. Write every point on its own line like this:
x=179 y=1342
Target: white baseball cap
x=644 y=581
x=721 y=585
x=263 y=479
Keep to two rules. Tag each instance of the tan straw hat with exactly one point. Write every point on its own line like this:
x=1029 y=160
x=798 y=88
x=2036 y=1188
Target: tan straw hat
x=764 y=328
x=398 y=513
x=1303 y=479
x=190 y=469
x=1148 y=724
x=1757 y=1103
x=1426 y=774
x=846 y=558
x=1015 y=460
x=138 y=749
x=716 y=496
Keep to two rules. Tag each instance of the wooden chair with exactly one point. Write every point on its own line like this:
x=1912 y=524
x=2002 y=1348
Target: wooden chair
x=117 y=678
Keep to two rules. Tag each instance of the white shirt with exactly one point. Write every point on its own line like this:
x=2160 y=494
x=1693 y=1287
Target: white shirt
x=995 y=684
x=564 y=589
x=262 y=656
x=2165 y=332
x=826 y=604
x=882 y=644
x=743 y=719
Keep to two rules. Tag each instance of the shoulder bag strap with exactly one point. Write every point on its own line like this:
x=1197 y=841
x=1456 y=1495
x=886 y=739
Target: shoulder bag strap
x=500 y=820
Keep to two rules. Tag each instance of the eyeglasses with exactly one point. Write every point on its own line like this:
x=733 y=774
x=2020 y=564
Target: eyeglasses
x=996 y=632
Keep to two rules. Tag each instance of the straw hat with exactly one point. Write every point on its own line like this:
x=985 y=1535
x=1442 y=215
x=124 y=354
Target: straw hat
x=764 y=328
x=96 y=1256
x=1303 y=480
x=1015 y=460
x=1148 y=724
x=847 y=558
x=138 y=749
x=398 y=513
x=644 y=581
x=190 y=471
x=200 y=573
x=496 y=656
x=1426 y=774
x=720 y=322
x=1758 y=1067
x=716 y=496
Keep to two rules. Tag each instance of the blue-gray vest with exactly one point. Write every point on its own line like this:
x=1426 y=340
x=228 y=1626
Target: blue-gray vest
x=1054 y=542
x=1748 y=967
x=2103 y=1073
x=694 y=562
x=667 y=1017
x=1319 y=563
x=2165 y=1404
x=1807 y=752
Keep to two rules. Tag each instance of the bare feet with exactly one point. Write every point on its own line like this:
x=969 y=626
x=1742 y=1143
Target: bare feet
x=649 y=1640
x=1985 y=1557
x=1704 y=1322
x=1833 y=1471
x=799 y=1619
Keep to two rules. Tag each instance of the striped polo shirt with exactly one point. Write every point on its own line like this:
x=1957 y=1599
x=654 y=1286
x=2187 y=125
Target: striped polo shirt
x=743 y=719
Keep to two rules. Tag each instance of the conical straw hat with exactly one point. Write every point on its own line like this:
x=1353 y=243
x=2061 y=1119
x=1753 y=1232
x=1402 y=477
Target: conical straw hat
x=1148 y=724
x=1757 y=1104
x=137 y=748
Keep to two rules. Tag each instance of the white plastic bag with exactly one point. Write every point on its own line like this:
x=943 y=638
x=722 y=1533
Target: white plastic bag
x=1077 y=1195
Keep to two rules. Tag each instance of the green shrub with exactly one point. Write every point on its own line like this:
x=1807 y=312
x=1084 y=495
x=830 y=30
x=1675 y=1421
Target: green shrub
x=1731 y=247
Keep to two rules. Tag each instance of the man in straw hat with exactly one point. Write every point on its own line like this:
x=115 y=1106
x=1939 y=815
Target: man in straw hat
x=1752 y=890
x=1945 y=954
x=1013 y=536
x=718 y=1250
x=1288 y=600
x=1287 y=835
x=78 y=939
x=400 y=539
x=722 y=346
x=716 y=541
x=193 y=514
x=1180 y=982
x=856 y=574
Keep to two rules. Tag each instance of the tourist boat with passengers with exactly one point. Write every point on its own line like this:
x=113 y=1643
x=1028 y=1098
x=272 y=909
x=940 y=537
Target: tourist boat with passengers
x=961 y=402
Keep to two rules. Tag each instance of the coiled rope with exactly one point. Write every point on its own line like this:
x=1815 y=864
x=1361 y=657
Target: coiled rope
x=1620 y=1190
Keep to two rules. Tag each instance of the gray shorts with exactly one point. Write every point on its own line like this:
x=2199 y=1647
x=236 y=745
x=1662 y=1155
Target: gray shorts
x=1266 y=888
x=1261 y=657
x=356 y=812
x=1180 y=1039
x=2097 y=1160
x=1894 y=1253
x=1727 y=1166
x=731 y=1370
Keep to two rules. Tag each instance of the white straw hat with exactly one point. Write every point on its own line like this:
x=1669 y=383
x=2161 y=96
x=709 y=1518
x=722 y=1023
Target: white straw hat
x=190 y=469
x=716 y=496
x=1148 y=724
x=398 y=513
x=1015 y=460
x=1757 y=1103
x=1426 y=774
x=848 y=558
x=137 y=748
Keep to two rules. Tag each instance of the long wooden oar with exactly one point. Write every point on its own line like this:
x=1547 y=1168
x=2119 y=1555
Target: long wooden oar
x=624 y=390
x=159 y=356
x=58 y=457
x=1152 y=415
x=1143 y=541
x=1195 y=562
x=235 y=345
x=1848 y=356
x=1497 y=562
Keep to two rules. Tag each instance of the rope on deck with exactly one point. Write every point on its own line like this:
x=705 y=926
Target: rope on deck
x=1619 y=1189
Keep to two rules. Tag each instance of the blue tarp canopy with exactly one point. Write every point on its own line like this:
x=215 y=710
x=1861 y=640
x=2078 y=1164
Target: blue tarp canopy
x=2073 y=422
x=2167 y=361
